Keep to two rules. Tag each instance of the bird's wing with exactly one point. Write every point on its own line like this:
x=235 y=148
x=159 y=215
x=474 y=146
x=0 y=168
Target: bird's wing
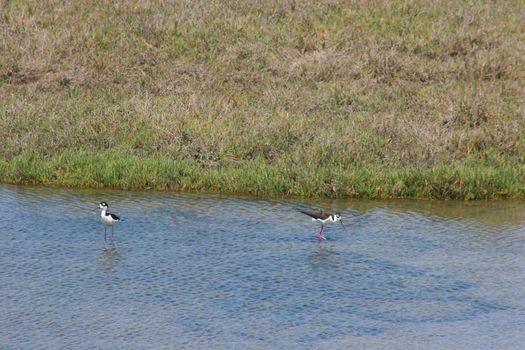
x=114 y=217
x=316 y=214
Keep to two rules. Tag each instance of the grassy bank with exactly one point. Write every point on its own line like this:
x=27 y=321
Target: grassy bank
x=313 y=98
x=125 y=171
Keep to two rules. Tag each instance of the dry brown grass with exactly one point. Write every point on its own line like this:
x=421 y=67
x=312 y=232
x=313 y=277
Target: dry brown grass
x=341 y=84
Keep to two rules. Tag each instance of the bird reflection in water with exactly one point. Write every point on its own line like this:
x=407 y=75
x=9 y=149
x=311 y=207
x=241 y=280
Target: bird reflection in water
x=323 y=257
x=109 y=258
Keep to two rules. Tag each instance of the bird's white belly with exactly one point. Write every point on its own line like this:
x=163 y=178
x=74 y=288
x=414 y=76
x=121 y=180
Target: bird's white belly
x=326 y=221
x=108 y=220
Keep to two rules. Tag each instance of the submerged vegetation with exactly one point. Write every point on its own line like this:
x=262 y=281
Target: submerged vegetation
x=311 y=98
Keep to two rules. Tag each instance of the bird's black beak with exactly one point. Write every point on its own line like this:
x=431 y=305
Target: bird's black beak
x=341 y=221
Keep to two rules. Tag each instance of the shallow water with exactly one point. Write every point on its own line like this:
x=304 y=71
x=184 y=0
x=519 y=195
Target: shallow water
x=208 y=271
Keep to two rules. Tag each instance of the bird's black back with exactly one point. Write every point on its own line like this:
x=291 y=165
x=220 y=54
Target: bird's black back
x=113 y=216
x=317 y=214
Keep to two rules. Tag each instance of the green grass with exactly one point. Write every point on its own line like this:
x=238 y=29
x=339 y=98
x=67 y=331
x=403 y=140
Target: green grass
x=126 y=171
x=311 y=98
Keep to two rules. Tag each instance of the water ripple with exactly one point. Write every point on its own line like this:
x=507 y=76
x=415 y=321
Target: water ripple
x=210 y=271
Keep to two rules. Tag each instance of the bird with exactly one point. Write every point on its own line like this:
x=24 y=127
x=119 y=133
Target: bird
x=323 y=218
x=108 y=219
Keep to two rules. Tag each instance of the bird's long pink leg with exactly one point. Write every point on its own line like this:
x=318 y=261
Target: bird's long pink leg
x=321 y=235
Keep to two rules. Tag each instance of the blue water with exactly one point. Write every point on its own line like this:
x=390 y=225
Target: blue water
x=219 y=272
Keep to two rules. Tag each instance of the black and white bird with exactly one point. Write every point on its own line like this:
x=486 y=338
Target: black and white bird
x=323 y=218
x=108 y=219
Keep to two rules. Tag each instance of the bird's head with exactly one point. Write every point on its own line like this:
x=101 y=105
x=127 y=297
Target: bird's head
x=337 y=217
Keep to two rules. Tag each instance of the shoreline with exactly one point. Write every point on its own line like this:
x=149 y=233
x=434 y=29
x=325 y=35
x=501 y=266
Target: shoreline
x=120 y=170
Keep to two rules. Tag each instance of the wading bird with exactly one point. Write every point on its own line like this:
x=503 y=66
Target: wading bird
x=323 y=218
x=108 y=219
